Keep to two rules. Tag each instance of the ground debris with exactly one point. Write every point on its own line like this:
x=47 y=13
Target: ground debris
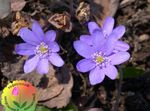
x=17 y=5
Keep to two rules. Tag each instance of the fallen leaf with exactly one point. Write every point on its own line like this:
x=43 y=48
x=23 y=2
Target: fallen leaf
x=126 y=2
x=100 y=9
x=49 y=93
x=4 y=8
x=49 y=86
x=83 y=12
x=17 y=5
x=54 y=88
x=61 y=21
x=14 y=71
x=21 y=20
x=65 y=79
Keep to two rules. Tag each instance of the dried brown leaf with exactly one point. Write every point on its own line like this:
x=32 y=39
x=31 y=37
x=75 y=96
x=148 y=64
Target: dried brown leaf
x=49 y=93
x=54 y=88
x=4 y=8
x=83 y=12
x=49 y=86
x=22 y=20
x=17 y=5
x=14 y=71
x=103 y=8
x=61 y=21
x=65 y=79
x=126 y=2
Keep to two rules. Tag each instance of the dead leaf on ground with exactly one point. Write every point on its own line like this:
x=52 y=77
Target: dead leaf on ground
x=14 y=71
x=65 y=79
x=21 y=20
x=100 y=9
x=83 y=12
x=54 y=88
x=49 y=86
x=61 y=21
x=4 y=8
x=49 y=93
x=17 y=5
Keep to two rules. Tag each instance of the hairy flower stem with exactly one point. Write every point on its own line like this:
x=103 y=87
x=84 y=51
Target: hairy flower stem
x=115 y=107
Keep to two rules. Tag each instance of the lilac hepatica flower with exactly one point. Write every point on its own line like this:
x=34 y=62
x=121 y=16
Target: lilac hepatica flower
x=98 y=60
x=107 y=30
x=41 y=49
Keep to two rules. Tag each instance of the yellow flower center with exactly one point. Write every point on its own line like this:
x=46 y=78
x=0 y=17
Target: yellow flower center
x=43 y=49
x=99 y=59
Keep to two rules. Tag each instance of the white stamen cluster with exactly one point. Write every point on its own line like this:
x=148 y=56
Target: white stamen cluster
x=100 y=59
x=42 y=49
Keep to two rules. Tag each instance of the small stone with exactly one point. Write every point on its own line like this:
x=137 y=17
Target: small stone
x=144 y=37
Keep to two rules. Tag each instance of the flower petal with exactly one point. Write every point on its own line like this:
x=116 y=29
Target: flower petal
x=87 y=39
x=119 y=58
x=25 y=49
x=31 y=64
x=43 y=66
x=50 y=36
x=56 y=60
x=28 y=36
x=109 y=45
x=83 y=49
x=108 y=25
x=96 y=76
x=119 y=31
x=111 y=71
x=98 y=39
x=37 y=30
x=92 y=26
x=54 y=46
x=121 y=46
x=85 y=65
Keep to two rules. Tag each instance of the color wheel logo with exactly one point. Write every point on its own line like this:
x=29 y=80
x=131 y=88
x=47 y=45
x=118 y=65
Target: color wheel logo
x=19 y=96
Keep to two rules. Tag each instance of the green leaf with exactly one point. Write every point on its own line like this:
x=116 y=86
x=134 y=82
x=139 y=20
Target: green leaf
x=131 y=72
x=24 y=104
x=17 y=104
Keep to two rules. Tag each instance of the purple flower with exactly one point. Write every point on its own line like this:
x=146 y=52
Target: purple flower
x=41 y=49
x=99 y=59
x=107 y=30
